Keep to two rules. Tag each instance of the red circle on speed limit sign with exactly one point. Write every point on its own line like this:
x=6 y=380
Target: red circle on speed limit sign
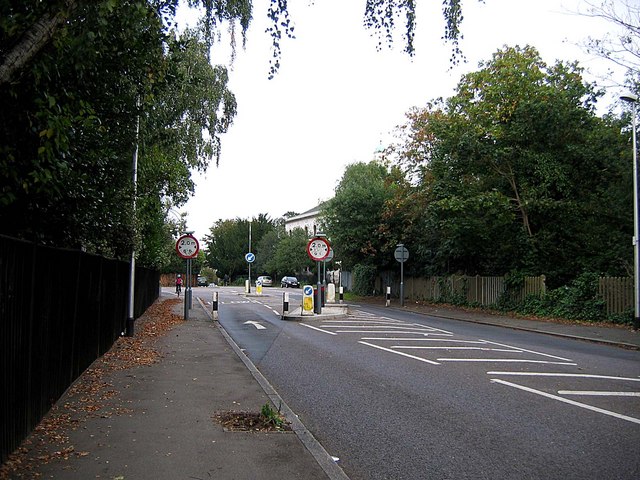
x=187 y=246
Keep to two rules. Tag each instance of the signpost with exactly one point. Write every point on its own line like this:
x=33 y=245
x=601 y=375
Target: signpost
x=250 y=258
x=318 y=249
x=187 y=247
x=401 y=254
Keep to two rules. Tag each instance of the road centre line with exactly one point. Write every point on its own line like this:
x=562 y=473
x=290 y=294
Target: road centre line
x=318 y=329
x=422 y=347
x=529 y=351
x=598 y=393
x=399 y=353
x=503 y=360
x=566 y=400
x=576 y=375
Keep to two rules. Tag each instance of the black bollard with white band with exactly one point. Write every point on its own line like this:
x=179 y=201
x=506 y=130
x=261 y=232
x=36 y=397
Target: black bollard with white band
x=285 y=304
x=215 y=305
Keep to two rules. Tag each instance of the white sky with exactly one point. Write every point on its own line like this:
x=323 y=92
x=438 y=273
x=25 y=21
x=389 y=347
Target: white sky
x=336 y=99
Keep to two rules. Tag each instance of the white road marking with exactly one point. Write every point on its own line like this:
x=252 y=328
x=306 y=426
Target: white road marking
x=399 y=327
x=258 y=325
x=433 y=328
x=389 y=331
x=598 y=393
x=399 y=353
x=422 y=347
x=479 y=342
x=410 y=339
x=365 y=320
x=565 y=400
x=530 y=351
x=318 y=329
x=503 y=360
x=576 y=375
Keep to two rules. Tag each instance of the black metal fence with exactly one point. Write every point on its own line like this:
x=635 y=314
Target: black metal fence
x=59 y=311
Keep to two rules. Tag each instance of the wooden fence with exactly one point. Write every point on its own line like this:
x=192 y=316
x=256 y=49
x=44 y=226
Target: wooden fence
x=475 y=290
x=616 y=292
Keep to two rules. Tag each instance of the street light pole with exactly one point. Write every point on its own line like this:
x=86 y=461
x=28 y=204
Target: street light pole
x=130 y=324
x=633 y=99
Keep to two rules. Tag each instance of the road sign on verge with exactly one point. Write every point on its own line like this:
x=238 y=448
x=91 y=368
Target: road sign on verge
x=401 y=254
x=250 y=257
x=318 y=249
x=187 y=246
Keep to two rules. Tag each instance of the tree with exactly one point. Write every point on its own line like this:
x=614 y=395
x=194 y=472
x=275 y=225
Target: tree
x=515 y=167
x=353 y=216
x=290 y=256
x=228 y=243
x=69 y=130
x=226 y=246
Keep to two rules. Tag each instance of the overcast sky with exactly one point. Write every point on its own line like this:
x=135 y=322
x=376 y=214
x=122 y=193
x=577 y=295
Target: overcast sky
x=336 y=99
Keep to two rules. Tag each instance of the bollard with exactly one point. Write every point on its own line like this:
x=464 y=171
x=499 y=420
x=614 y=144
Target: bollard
x=341 y=294
x=285 y=304
x=388 y=302
x=215 y=306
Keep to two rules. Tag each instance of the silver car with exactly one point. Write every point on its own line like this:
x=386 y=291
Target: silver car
x=265 y=281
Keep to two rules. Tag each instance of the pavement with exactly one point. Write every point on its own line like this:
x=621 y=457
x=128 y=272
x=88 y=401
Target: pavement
x=156 y=420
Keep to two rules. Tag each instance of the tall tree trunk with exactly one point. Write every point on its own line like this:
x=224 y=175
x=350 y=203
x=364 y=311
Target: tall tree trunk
x=32 y=42
x=523 y=210
x=511 y=178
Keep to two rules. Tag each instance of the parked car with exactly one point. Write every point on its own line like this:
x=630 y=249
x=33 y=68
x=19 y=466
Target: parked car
x=203 y=281
x=265 y=280
x=287 y=282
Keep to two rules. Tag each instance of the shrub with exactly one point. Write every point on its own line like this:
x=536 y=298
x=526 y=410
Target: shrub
x=577 y=301
x=364 y=279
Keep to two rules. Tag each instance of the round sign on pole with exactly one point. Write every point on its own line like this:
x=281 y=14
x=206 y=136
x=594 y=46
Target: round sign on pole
x=401 y=254
x=187 y=246
x=318 y=249
x=250 y=257
x=329 y=257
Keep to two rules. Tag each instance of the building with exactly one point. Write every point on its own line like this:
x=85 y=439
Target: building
x=308 y=221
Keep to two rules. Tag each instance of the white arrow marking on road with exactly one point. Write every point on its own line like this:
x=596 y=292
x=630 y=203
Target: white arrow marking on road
x=256 y=324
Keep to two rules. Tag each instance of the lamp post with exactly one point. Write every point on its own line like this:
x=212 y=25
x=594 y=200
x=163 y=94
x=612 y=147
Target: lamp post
x=633 y=99
x=130 y=324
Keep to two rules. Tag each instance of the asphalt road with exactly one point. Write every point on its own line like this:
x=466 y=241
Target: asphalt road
x=397 y=395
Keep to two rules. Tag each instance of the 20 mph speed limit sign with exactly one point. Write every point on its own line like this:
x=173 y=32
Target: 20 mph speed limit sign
x=187 y=246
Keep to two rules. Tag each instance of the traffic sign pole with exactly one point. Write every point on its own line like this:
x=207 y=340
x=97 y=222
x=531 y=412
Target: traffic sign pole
x=250 y=258
x=401 y=254
x=187 y=247
x=318 y=249
x=402 y=284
